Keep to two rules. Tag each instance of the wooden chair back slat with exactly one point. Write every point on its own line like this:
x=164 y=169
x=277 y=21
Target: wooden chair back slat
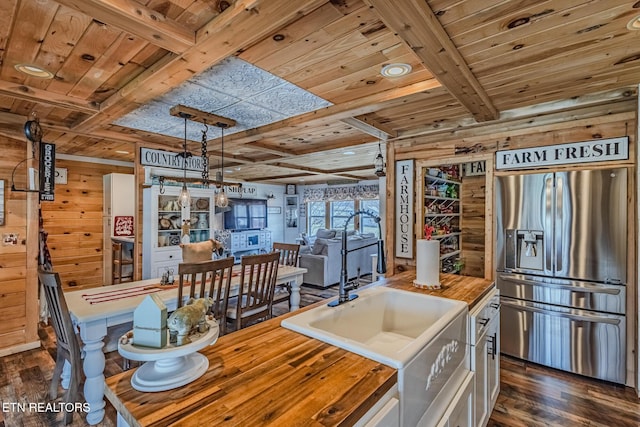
x=207 y=279
x=67 y=344
x=288 y=253
x=258 y=277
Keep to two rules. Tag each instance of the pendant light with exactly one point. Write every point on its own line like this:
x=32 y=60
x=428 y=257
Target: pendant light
x=379 y=163
x=184 y=199
x=222 y=201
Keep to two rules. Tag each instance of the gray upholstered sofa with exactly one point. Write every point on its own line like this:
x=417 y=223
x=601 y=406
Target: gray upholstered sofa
x=323 y=259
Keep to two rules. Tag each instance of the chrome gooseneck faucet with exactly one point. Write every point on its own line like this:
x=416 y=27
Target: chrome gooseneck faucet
x=381 y=266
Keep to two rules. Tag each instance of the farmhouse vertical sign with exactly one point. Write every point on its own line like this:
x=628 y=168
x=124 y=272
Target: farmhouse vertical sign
x=404 y=209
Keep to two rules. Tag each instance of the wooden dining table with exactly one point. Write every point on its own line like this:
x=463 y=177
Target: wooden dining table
x=94 y=310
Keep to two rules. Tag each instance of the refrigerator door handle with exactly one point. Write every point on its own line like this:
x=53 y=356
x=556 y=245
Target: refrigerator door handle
x=548 y=224
x=585 y=289
x=571 y=316
x=559 y=222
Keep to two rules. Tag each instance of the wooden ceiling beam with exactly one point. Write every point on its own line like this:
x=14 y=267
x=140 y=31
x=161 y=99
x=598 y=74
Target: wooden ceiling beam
x=327 y=115
x=278 y=151
x=196 y=115
x=323 y=171
x=32 y=94
x=242 y=24
x=370 y=127
x=277 y=177
x=139 y=20
x=416 y=24
x=586 y=105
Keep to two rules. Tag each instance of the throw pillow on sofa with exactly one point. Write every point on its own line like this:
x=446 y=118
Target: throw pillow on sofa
x=320 y=247
x=323 y=233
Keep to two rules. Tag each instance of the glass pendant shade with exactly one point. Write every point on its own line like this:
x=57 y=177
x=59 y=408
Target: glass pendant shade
x=184 y=199
x=222 y=201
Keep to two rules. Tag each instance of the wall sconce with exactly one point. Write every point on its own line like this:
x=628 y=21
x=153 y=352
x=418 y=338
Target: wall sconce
x=271 y=196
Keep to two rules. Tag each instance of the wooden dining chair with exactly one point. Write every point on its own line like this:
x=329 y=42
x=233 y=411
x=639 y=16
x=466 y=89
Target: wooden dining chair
x=288 y=256
x=207 y=279
x=67 y=343
x=255 y=295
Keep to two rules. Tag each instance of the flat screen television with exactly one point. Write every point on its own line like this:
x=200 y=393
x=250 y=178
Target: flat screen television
x=246 y=214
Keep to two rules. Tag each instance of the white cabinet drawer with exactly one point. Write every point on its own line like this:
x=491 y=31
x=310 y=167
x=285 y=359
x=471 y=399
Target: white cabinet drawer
x=168 y=255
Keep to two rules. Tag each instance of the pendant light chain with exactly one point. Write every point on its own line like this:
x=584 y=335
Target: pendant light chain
x=222 y=154
x=205 y=158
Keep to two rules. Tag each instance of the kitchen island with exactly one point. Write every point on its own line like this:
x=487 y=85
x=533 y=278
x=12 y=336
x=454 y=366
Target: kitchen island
x=268 y=375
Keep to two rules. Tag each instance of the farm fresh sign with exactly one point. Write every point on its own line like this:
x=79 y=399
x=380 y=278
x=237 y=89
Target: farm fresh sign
x=600 y=150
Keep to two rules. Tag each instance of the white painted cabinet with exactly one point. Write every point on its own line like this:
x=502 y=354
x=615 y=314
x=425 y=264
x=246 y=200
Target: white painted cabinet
x=485 y=356
x=291 y=218
x=460 y=412
x=247 y=242
x=118 y=199
x=384 y=413
x=493 y=361
x=163 y=221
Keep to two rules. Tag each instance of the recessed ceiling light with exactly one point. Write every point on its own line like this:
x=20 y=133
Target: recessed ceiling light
x=634 y=24
x=122 y=152
x=349 y=153
x=228 y=171
x=238 y=168
x=395 y=70
x=34 y=70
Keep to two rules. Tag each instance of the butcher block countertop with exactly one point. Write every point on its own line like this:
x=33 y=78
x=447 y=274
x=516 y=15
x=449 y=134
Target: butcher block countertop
x=462 y=288
x=266 y=375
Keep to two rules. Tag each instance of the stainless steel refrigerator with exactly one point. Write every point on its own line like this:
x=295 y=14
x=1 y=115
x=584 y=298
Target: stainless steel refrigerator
x=561 y=269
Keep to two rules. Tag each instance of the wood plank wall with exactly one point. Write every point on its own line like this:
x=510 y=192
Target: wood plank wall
x=16 y=329
x=472 y=200
x=74 y=223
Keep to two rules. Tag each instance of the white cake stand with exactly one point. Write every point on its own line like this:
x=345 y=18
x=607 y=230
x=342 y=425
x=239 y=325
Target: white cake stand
x=172 y=366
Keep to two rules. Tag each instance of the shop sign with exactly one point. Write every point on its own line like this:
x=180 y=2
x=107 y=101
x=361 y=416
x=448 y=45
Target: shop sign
x=404 y=209
x=47 y=171
x=599 y=150
x=478 y=168
x=169 y=159
x=240 y=191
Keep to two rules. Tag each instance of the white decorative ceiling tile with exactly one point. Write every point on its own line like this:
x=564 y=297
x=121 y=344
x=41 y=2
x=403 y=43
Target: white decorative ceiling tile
x=232 y=88
x=238 y=78
x=194 y=131
x=152 y=117
x=249 y=116
x=289 y=100
x=198 y=97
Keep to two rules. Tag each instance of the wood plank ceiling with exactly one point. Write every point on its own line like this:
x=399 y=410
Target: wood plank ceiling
x=473 y=63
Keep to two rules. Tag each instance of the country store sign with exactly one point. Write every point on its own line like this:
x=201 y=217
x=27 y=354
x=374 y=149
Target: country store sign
x=168 y=159
x=600 y=150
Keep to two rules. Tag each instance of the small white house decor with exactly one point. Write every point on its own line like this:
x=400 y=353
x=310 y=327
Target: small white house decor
x=150 y=323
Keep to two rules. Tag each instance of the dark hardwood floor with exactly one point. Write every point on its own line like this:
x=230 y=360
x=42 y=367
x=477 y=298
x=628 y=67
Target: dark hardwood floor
x=530 y=395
